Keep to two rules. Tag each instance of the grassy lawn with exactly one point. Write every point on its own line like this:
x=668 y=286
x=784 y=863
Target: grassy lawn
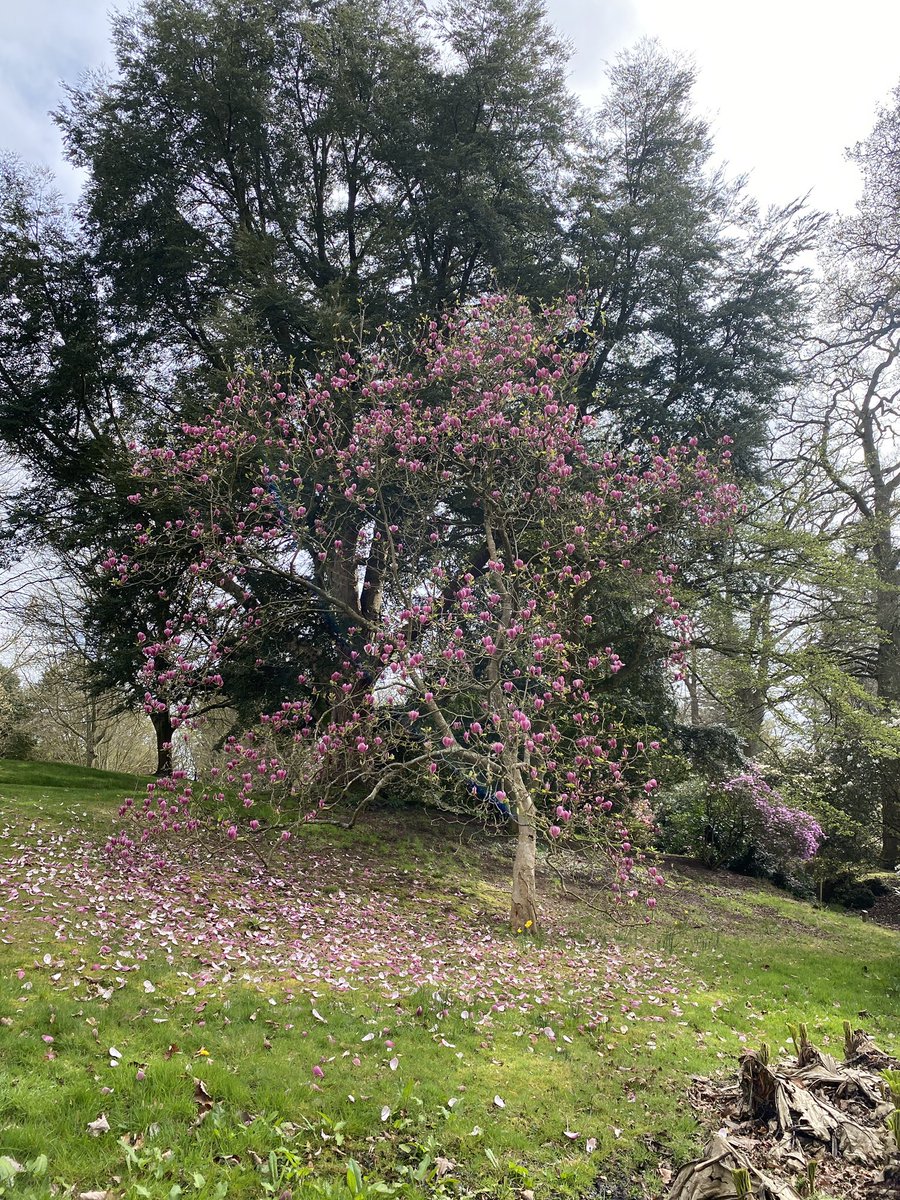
x=356 y=1020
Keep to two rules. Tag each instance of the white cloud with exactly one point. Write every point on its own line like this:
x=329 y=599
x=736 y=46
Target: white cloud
x=42 y=43
x=788 y=83
x=597 y=30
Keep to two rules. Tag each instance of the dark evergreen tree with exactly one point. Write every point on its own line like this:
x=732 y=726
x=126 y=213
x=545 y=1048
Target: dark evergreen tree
x=263 y=176
x=696 y=298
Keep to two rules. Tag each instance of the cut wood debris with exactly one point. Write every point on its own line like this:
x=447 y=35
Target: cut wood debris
x=712 y=1176
x=793 y=1121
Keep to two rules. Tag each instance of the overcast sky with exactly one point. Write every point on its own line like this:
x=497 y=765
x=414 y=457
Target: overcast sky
x=788 y=84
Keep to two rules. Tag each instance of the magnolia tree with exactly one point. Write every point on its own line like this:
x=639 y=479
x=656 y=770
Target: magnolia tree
x=457 y=523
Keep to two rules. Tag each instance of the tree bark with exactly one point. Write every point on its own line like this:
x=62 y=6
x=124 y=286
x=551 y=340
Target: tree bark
x=164 y=730
x=340 y=581
x=90 y=733
x=888 y=686
x=693 y=687
x=523 y=909
x=890 y=815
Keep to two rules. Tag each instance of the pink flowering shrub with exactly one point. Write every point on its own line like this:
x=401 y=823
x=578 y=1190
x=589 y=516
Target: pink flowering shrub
x=443 y=531
x=741 y=823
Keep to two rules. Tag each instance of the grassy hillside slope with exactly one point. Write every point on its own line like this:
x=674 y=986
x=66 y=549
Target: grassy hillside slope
x=355 y=1019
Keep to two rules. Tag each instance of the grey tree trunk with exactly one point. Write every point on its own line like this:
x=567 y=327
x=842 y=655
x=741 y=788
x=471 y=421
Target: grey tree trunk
x=888 y=682
x=523 y=908
x=890 y=815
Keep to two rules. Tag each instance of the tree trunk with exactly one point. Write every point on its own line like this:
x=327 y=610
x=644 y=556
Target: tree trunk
x=750 y=705
x=693 y=687
x=523 y=909
x=90 y=733
x=162 y=726
x=888 y=683
x=890 y=815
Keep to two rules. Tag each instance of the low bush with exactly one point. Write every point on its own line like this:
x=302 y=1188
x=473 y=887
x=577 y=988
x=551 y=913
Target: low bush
x=740 y=823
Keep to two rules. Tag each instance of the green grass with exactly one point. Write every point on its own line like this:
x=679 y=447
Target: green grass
x=21 y=780
x=61 y=793
x=747 y=962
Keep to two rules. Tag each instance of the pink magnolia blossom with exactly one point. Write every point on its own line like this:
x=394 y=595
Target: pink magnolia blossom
x=478 y=659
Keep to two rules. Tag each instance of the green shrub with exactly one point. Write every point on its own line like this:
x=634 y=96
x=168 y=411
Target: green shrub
x=740 y=823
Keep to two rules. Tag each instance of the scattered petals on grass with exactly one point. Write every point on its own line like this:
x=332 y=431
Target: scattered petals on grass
x=101 y=1125
x=215 y=918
